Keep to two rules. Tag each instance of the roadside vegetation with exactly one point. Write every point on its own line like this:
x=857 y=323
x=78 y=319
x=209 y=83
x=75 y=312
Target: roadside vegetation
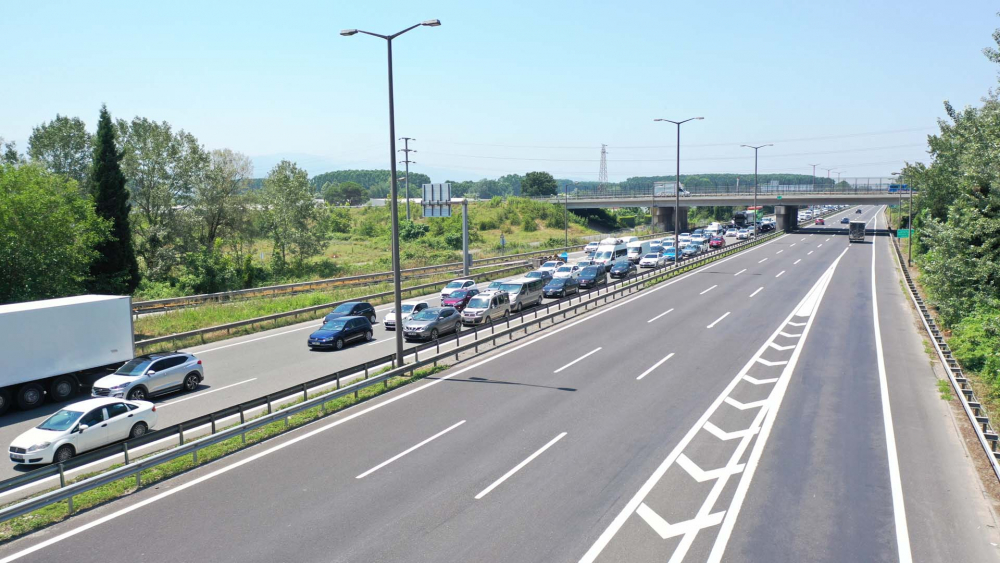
x=956 y=215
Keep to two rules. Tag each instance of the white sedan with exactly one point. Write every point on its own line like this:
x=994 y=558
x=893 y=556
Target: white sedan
x=731 y=233
x=652 y=260
x=743 y=234
x=80 y=427
x=551 y=266
x=567 y=271
x=455 y=286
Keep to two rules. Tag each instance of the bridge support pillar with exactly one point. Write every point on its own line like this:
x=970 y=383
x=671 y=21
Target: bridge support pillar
x=663 y=218
x=786 y=216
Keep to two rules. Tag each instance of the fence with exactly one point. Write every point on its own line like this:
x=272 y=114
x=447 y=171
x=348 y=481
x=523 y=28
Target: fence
x=562 y=307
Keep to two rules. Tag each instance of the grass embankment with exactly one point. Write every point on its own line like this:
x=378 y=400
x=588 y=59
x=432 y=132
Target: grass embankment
x=57 y=512
x=183 y=320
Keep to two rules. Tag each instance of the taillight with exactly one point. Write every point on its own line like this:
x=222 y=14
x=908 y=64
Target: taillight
x=154 y=408
x=199 y=362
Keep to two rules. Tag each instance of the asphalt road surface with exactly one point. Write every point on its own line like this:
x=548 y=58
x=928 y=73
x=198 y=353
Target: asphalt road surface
x=775 y=405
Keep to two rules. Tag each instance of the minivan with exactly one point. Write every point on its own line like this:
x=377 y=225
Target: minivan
x=486 y=308
x=524 y=292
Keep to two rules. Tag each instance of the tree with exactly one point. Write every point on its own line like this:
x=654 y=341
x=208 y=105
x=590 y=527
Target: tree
x=163 y=169
x=538 y=184
x=219 y=198
x=48 y=234
x=345 y=193
x=290 y=217
x=64 y=146
x=115 y=270
x=10 y=154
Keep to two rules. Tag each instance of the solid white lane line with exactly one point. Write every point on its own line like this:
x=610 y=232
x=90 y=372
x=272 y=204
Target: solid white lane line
x=898 y=505
x=594 y=351
x=518 y=467
x=762 y=261
x=203 y=393
x=779 y=274
x=716 y=321
x=780 y=251
x=796 y=262
x=311 y=327
x=810 y=252
x=656 y=365
x=756 y=292
x=739 y=272
x=660 y=315
x=709 y=289
x=378 y=405
x=399 y=455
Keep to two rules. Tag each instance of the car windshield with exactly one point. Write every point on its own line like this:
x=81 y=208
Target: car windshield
x=62 y=420
x=344 y=308
x=533 y=275
x=426 y=315
x=549 y=264
x=604 y=255
x=407 y=307
x=494 y=285
x=479 y=303
x=589 y=271
x=135 y=366
x=557 y=282
x=511 y=287
x=565 y=269
x=334 y=325
x=652 y=256
x=453 y=285
x=460 y=294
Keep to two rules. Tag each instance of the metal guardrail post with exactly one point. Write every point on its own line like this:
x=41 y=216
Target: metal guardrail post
x=243 y=421
x=180 y=433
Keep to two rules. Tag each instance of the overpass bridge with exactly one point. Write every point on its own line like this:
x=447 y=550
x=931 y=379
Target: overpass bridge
x=786 y=199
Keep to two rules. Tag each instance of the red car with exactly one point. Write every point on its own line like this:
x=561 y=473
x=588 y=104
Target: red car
x=717 y=242
x=820 y=221
x=459 y=299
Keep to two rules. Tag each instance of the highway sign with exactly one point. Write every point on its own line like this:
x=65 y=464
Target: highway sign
x=436 y=200
x=779 y=197
x=902 y=233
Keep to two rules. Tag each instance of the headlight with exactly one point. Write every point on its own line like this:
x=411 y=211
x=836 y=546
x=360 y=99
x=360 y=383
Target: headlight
x=41 y=446
x=119 y=387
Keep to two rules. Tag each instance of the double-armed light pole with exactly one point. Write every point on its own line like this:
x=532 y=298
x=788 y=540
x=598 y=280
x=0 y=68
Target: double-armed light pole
x=677 y=186
x=393 y=206
x=755 y=149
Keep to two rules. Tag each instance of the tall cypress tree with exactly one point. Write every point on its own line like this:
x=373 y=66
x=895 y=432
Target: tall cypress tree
x=115 y=271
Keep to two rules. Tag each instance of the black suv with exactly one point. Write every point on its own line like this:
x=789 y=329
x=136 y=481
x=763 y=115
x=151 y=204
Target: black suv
x=591 y=277
x=352 y=309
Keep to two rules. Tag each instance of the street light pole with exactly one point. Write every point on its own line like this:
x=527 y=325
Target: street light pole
x=755 y=149
x=394 y=207
x=909 y=226
x=814 y=176
x=566 y=212
x=677 y=186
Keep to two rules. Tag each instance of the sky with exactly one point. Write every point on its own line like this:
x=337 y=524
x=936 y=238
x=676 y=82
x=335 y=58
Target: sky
x=512 y=87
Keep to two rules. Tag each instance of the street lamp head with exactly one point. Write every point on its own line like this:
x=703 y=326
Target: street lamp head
x=699 y=118
x=431 y=23
x=348 y=32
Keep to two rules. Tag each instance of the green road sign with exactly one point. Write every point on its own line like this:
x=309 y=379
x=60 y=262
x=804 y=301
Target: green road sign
x=902 y=233
x=779 y=197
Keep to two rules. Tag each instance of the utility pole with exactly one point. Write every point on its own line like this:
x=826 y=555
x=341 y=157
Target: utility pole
x=909 y=226
x=407 y=150
x=814 y=176
x=465 y=237
x=566 y=213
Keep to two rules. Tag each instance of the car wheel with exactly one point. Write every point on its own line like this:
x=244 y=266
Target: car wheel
x=30 y=396
x=191 y=382
x=458 y=328
x=339 y=344
x=372 y=319
x=434 y=334
x=369 y=335
x=137 y=394
x=4 y=401
x=139 y=429
x=489 y=320
x=62 y=388
x=63 y=454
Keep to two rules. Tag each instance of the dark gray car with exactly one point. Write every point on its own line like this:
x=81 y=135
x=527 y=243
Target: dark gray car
x=431 y=323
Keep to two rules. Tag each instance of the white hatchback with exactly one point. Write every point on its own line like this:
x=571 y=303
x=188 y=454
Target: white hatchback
x=455 y=286
x=567 y=271
x=80 y=427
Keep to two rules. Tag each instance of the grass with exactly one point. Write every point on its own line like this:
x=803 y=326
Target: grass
x=57 y=512
x=183 y=320
x=944 y=388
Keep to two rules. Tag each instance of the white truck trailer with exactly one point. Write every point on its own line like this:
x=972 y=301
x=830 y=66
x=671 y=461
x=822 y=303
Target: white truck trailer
x=57 y=347
x=857 y=231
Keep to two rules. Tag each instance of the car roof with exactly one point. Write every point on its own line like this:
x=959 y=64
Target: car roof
x=160 y=355
x=414 y=302
x=89 y=404
x=462 y=280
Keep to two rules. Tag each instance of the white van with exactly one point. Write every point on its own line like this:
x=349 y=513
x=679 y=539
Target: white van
x=713 y=230
x=523 y=292
x=637 y=249
x=610 y=253
x=627 y=240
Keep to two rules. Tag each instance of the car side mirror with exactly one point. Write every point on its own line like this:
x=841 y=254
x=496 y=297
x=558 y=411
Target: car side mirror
x=150 y=372
x=82 y=427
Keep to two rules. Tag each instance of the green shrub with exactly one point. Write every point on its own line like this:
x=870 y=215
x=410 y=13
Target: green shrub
x=529 y=225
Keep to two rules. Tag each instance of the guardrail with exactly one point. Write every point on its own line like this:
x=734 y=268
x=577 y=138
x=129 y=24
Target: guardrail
x=987 y=435
x=295 y=313
x=529 y=318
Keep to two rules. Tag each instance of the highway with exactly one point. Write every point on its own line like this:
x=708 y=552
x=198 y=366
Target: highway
x=775 y=405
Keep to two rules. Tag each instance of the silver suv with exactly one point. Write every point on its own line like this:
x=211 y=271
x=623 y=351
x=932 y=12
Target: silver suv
x=151 y=374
